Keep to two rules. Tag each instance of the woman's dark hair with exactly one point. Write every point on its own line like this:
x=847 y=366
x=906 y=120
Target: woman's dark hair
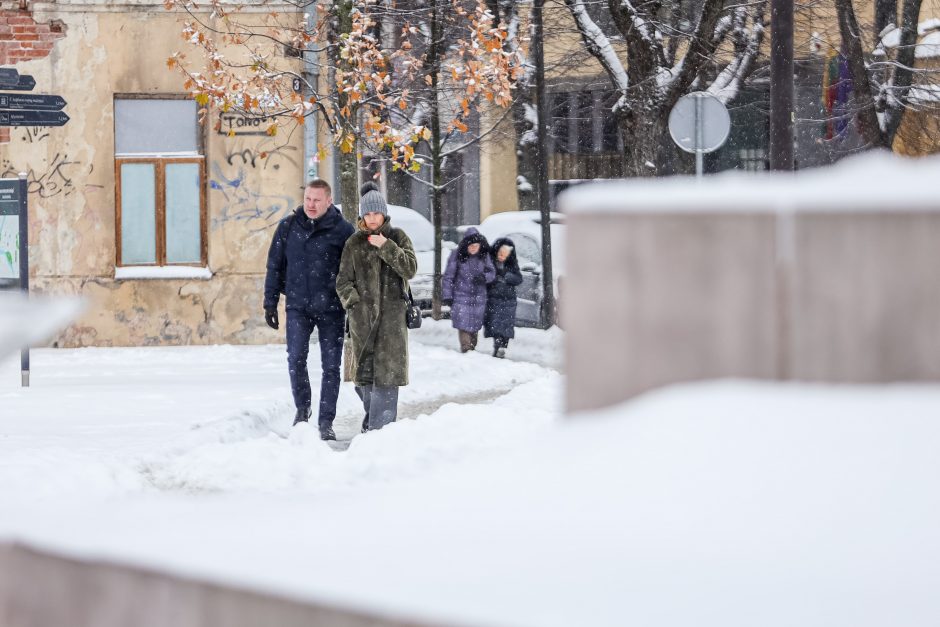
x=511 y=262
x=463 y=249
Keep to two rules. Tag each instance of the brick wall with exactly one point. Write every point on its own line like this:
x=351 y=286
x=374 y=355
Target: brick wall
x=24 y=39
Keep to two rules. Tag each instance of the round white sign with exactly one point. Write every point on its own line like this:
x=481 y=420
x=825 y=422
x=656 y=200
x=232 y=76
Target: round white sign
x=699 y=122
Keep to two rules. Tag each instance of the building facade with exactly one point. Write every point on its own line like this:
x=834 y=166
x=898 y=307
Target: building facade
x=160 y=222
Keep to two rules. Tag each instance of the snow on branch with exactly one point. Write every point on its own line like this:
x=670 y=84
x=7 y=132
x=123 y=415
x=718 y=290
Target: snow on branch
x=599 y=45
x=747 y=47
x=645 y=29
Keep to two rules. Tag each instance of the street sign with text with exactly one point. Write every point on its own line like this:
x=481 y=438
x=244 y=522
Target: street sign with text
x=33 y=118
x=17 y=82
x=30 y=102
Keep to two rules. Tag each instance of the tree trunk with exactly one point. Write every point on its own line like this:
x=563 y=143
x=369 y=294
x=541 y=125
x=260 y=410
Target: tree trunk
x=349 y=185
x=523 y=112
x=348 y=161
x=886 y=12
x=903 y=76
x=868 y=124
x=642 y=138
x=437 y=199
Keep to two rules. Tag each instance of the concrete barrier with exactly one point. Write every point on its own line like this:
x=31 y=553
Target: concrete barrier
x=760 y=277
x=39 y=589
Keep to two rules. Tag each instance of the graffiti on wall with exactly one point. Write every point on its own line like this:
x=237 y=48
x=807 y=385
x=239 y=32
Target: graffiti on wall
x=264 y=154
x=243 y=203
x=35 y=134
x=56 y=178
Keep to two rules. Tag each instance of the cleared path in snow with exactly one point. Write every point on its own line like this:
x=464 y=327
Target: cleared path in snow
x=102 y=422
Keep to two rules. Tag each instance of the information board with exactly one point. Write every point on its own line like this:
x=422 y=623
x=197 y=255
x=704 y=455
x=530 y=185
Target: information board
x=9 y=229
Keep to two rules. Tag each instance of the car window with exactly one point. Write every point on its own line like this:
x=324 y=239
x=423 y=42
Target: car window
x=526 y=248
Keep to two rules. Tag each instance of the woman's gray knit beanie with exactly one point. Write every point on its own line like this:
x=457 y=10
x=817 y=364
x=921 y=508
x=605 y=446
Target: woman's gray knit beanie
x=372 y=200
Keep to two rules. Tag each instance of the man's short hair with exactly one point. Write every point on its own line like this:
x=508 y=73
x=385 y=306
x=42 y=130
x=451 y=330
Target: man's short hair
x=320 y=184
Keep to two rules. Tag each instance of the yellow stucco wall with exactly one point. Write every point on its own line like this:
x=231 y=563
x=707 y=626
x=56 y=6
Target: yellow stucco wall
x=498 y=168
x=72 y=193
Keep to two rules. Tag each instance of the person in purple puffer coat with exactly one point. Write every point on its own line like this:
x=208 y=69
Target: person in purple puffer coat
x=469 y=270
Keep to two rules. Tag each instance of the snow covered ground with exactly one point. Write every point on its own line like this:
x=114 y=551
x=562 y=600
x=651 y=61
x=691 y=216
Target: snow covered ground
x=723 y=503
x=109 y=422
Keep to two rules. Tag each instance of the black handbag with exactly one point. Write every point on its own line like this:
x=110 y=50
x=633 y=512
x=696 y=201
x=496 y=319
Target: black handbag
x=412 y=313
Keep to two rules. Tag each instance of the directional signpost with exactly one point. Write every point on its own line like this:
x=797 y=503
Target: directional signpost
x=33 y=118
x=28 y=109
x=12 y=80
x=21 y=110
x=30 y=102
x=24 y=83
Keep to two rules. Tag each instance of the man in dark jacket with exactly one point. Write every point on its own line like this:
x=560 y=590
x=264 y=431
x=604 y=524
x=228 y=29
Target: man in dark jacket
x=302 y=264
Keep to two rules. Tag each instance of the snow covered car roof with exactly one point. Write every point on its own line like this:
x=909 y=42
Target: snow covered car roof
x=528 y=223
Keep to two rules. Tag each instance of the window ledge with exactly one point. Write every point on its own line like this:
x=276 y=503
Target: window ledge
x=161 y=272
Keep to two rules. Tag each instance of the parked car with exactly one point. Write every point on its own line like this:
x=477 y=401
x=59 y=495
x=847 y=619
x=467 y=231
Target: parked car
x=524 y=228
x=421 y=232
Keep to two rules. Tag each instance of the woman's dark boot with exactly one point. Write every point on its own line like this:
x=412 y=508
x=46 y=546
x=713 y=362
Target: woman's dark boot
x=464 y=338
x=303 y=415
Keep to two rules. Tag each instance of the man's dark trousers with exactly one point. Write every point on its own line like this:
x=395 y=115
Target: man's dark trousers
x=330 y=327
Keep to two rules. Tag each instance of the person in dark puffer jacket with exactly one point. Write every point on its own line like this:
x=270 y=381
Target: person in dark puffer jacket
x=463 y=286
x=303 y=262
x=500 y=317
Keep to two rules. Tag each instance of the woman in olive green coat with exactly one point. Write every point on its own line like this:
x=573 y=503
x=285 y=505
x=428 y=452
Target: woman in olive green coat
x=377 y=262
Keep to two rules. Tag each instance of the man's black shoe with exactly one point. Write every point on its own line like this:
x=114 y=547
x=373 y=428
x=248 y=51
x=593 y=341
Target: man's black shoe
x=303 y=414
x=326 y=432
x=365 y=423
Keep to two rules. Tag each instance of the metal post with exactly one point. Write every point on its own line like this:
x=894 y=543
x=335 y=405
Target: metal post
x=699 y=137
x=24 y=268
x=547 y=313
x=311 y=73
x=781 y=85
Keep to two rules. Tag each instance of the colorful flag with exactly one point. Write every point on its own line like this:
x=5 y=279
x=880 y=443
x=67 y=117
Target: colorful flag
x=836 y=92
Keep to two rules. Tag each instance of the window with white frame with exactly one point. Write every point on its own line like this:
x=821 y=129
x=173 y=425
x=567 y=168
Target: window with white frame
x=159 y=169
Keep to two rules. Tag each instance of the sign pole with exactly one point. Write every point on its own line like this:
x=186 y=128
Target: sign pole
x=24 y=268
x=699 y=139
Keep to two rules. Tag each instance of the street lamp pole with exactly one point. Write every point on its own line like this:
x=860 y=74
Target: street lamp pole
x=781 y=85
x=547 y=313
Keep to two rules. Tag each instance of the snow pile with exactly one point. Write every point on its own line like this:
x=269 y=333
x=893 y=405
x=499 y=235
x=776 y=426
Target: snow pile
x=410 y=448
x=861 y=180
x=723 y=504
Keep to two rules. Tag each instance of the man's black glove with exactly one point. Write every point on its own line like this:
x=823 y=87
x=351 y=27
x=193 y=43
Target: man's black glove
x=270 y=316
x=479 y=279
x=447 y=302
